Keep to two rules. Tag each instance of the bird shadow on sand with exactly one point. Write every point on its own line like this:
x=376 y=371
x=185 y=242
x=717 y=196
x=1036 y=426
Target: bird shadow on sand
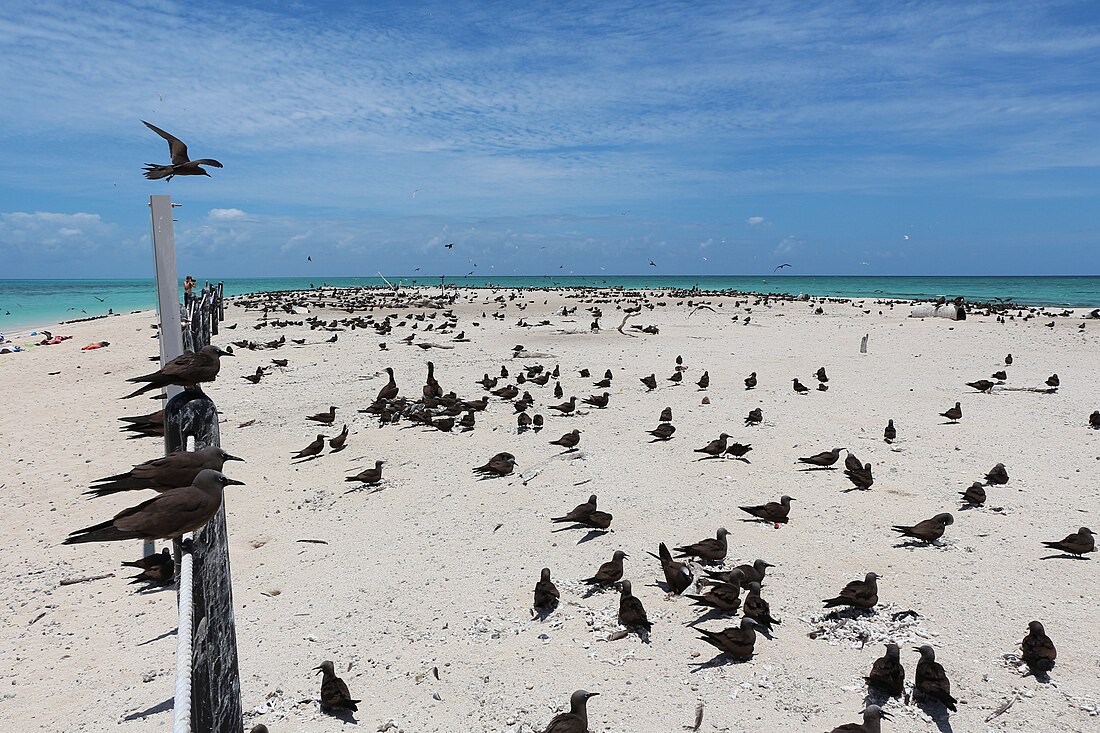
x=161 y=707
x=346 y=716
x=305 y=460
x=710 y=615
x=915 y=544
x=818 y=468
x=849 y=612
x=937 y=712
x=876 y=697
x=1064 y=556
x=591 y=535
x=720 y=660
x=541 y=614
x=165 y=635
x=596 y=589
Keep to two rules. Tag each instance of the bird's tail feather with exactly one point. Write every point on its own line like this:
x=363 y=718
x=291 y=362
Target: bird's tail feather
x=114 y=487
x=155 y=172
x=102 y=532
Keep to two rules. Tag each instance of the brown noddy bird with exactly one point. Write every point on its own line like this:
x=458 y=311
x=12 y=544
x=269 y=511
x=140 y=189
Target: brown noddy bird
x=431 y=386
x=1094 y=420
x=890 y=434
x=824 y=459
x=164 y=517
x=181 y=164
x=650 y=382
x=738 y=450
x=887 y=674
x=390 y=390
x=997 y=475
x=861 y=478
x=736 y=641
x=724 y=597
x=975 y=495
x=168 y=472
x=156 y=569
x=1037 y=650
x=663 y=431
x=931 y=679
x=312 y=449
x=799 y=387
x=546 y=593
x=982 y=385
x=280 y=362
x=852 y=462
x=1079 y=543
x=576 y=720
x=325 y=418
x=631 y=613
x=565 y=408
x=677 y=574
x=597 y=401
x=715 y=448
x=757 y=608
x=857 y=594
x=751 y=573
x=954 y=414
x=775 y=512
x=1053 y=382
x=501 y=464
x=1008 y=360
x=568 y=441
x=1001 y=375
x=750 y=381
x=340 y=441
x=334 y=693
x=523 y=421
x=186 y=370
x=704 y=381
x=369 y=475
x=258 y=728
x=610 y=572
x=676 y=377
x=928 y=530
x=666 y=415
x=872 y=722
x=579 y=512
x=821 y=375
x=756 y=416
x=712 y=549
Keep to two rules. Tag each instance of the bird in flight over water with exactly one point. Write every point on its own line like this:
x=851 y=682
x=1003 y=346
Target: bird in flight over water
x=780 y=267
x=181 y=164
x=652 y=263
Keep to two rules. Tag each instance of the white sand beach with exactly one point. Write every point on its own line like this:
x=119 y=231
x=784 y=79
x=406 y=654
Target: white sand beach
x=436 y=569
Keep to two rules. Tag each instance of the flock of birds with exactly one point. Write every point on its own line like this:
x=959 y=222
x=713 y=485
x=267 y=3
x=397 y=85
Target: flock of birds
x=190 y=487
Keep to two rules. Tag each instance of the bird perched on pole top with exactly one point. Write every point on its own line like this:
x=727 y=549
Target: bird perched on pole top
x=181 y=164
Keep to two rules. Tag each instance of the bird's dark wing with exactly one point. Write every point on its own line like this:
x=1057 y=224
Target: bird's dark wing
x=175 y=145
x=780 y=267
x=203 y=161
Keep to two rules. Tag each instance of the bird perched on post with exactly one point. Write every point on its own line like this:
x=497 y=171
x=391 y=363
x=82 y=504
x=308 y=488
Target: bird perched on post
x=164 y=517
x=1037 y=650
x=576 y=720
x=186 y=370
x=164 y=473
x=334 y=692
x=931 y=679
x=181 y=164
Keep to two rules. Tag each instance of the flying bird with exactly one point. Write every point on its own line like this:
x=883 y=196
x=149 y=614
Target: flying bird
x=181 y=164
x=780 y=267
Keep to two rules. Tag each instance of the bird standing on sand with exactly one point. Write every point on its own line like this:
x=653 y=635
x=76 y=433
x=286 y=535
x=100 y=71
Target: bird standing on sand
x=501 y=464
x=390 y=390
x=857 y=594
x=997 y=475
x=1079 y=543
x=750 y=381
x=887 y=674
x=928 y=530
x=738 y=642
x=704 y=381
x=334 y=693
x=799 y=387
x=677 y=574
x=631 y=612
x=666 y=415
x=723 y=597
x=650 y=382
x=569 y=441
x=931 y=679
x=663 y=431
x=610 y=572
x=825 y=459
x=872 y=722
x=546 y=593
x=1037 y=650
x=566 y=408
x=181 y=164
x=164 y=517
x=186 y=370
x=579 y=512
x=982 y=385
x=714 y=448
x=974 y=495
x=711 y=550
x=369 y=476
x=861 y=478
x=756 y=607
x=774 y=512
x=1053 y=382
x=738 y=450
x=312 y=449
x=1094 y=420
x=890 y=434
x=597 y=401
x=755 y=417
x=821 y=376
x=164 y=473
x=325 y=418
x=954 y=414
x=576 y=720
x=340 y=441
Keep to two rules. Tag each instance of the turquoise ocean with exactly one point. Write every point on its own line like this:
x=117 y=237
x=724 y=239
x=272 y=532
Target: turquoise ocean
x=32 y=303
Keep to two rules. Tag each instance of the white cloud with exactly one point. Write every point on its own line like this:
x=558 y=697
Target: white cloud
x=48 y=230
x=788 y=245
x=224 y=214
x=754 y=221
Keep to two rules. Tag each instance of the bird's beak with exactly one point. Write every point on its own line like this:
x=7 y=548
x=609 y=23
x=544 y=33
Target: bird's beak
x=593 y=694
x=916 y=648
x=233 y=458
x=233 y=482
x=887 y=715
x=318 y=670
x=229 y=352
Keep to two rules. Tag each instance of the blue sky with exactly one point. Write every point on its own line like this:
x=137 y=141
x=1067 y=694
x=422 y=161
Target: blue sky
x=712 y=138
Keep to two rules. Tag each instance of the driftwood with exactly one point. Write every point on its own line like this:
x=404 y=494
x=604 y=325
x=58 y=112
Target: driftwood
x=85 y=579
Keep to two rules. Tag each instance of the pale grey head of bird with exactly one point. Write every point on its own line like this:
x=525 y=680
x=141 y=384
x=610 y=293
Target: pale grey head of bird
x=944 y=518
x=724 y=436
x=927 y=653
x=619 y=555
x=210 y=480
x=259 y=728
x=874 y=712
x=1085 y=530
x=749 y=623
x=545 y=574
x=326 y=667
x=870 y=577
x=893 y=651
x=624 y=588
x=786 y=499
x=227 y=457
x=228 y=351
x=722 y=532
x=578 y=699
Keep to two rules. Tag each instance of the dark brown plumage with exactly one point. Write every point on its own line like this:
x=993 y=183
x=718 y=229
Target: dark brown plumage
x=755 y=417
x=565 y=408
x=597 y=401
x=982 y=385
x=1094 y=420
x=579 y=512
x=677 y=574
x=576 y=720
x=610 y=572
x=666 y=415
x=872 y=722
x=156 y=569
x=368 y=476
x=931 y=679
x=569 y=441
x=928 y=530
x=821 y=375
x=861 y=478
x=334 y=693
x=799 y=387
x=887 y=674
x=663 y=431
x=704 y=381
x=709 y=550
x=338 y=443
x=757 y=608
x=857 y=594
x=890 y=434
x=312 y=449
x=750 y=381
x=739 y=641
x=631 y=613
x=1037 y=650
x=546 y=593
x=501 y=464
x=997 y=475
x=650 y=382
x=738 y=450
x=974 y=495
x=723 y=597
x=775 y=512
x=390 y=389
x=186 y=370
x=161 y=474
x=824 y=459
x=325 y=418
x=181 y=164
x=1079 y=543
x=953 y=414
x=714 y=448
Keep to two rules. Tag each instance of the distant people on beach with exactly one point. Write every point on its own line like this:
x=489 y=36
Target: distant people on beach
x=188 y=288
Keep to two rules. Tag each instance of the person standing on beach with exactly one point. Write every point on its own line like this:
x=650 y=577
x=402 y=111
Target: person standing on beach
x=188 y=286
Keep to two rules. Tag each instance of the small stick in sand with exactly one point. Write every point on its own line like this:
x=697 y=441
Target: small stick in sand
x=86 y=579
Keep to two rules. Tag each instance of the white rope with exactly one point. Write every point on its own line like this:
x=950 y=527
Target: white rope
x=181 y=708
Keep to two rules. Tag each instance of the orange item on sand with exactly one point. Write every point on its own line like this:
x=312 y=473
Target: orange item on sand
x=96 y=345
